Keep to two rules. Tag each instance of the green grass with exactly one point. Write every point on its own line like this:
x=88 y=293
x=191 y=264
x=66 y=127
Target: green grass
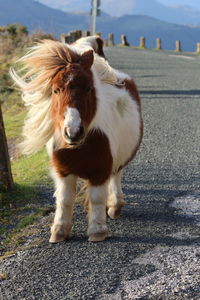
x=29 y=219
x=31 y=170
x=28 y=172
x=13 y=121
x=140 y=47
x=21 y=206
x=17 y=237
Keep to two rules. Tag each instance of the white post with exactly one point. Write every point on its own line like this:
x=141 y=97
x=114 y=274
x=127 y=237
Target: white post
x=94 y=16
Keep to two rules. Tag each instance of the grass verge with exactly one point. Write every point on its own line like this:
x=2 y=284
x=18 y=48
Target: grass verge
x=22 y=206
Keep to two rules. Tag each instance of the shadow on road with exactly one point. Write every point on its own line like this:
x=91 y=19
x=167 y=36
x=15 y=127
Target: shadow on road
x=154 y=240
x=171 y=92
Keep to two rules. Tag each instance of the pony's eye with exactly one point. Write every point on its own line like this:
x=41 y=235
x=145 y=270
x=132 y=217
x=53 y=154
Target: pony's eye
x=56 y=91
x=72 y=86
x=88 y=89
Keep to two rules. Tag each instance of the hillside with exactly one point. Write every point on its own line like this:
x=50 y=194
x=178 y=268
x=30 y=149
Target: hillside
x=35 y=16
x=136 y=26
x=173 y=14
x=38 y=16
x=179 y=13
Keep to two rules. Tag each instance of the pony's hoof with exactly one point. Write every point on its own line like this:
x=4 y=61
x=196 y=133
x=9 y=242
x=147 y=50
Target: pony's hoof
x=58 y=234
x=97 y=232
x=114 y=213
x=97 y=237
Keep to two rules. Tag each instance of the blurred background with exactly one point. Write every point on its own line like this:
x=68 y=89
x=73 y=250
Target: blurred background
x=168 y=19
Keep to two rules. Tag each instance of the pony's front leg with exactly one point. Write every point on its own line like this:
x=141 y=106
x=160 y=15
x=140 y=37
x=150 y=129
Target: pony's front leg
x=115 y=198
x=65 y=194
x=97 y=229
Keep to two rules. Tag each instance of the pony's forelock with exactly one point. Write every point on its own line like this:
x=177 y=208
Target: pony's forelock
x=42 y=62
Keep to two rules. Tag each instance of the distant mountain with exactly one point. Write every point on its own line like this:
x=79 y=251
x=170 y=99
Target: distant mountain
x=35 y=15
x=178 y=14
x=136 y=26
x=38 y=16
x=175 y=14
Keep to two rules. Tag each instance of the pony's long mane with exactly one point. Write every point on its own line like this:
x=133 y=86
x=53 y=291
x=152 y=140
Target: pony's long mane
x=40 y=65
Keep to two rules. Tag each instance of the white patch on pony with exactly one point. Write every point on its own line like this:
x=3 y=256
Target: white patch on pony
x=65 y=191
x=119 y=118
x=84 y=44
x=72 y=121
x=97 y=209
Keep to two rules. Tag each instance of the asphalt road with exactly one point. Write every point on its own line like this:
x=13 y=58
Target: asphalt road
x=153 y=249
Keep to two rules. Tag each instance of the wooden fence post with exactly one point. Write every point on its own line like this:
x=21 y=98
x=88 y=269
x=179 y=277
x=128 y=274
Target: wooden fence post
x=198 y=48
x=6 y=180
x=73 y=35
x=78 y=34
x=65 y=38
x=111 y=39
x=158 y=44
x=142 y=42
x=124 y=40
x=62 y=38
x=178 y=46
x=86 y=33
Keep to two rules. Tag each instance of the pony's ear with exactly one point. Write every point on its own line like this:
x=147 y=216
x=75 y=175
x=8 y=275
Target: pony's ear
x=87 y=59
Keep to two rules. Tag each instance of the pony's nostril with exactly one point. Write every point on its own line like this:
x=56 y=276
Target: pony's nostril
x=74 y=138
x=66 y=133
x=81 y=132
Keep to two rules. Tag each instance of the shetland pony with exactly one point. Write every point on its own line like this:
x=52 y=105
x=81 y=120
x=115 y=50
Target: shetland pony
x=89 y=116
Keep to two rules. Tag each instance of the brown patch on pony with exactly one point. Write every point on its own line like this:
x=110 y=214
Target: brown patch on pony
x=133 y=91
x=100 y=51
x=73 y=86
x=132 y=88
x=92 y=160
x=87 y=59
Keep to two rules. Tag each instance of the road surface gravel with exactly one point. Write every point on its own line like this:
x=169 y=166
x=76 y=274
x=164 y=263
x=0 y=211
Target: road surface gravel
x=153 y=249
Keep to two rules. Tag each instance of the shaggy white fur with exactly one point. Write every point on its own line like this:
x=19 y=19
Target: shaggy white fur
x=118 y=116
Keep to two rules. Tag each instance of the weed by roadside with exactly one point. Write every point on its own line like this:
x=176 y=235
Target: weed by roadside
x=25 y=204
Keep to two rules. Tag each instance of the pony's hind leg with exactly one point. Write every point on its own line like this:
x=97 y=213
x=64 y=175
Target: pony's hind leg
x=115 y=197
x=97 y=229
x=65 y=195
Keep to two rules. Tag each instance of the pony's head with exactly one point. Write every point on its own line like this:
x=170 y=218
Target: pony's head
x=58 y=87
x=73 y=98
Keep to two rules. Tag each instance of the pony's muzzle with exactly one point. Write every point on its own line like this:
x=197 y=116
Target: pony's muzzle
x=74 y=139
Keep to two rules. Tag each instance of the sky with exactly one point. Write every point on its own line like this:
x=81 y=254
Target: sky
x=120 y=7
x=193 y=3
